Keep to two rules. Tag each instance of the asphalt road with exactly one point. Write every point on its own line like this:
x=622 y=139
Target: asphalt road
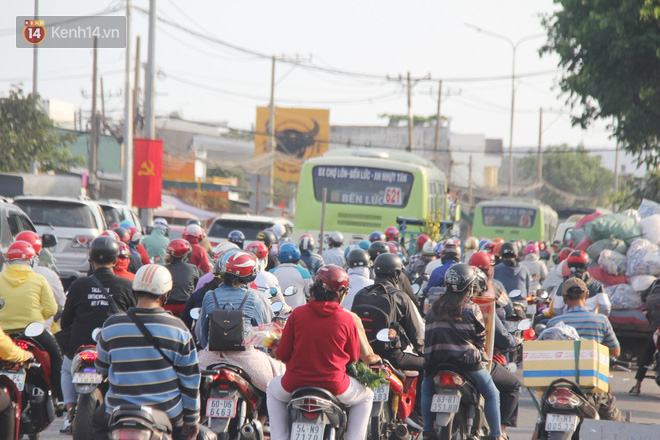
x=644 y=408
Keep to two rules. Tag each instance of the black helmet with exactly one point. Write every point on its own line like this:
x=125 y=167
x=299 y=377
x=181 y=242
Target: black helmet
x=508 y=250
x=193 y=221
x=267 y=238
x=103 y=250
x=376 y=248
x=236 y=237
x=357 y=258
x=387 y=264
x=459 y=277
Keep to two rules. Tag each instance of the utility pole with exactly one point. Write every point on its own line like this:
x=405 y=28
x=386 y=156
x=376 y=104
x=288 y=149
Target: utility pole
x=93 y=157
x=271 y=133
x=127 y=187
x=146 y=214
x=137 y=128
x=438 y=121
x=102 y=122
x=410 y=117
x=470 y=182
x=539 y=160
x=35 y=53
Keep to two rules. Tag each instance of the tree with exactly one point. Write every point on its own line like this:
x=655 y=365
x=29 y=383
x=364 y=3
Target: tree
x=418 y=121
x=27 y=134
x=609 y=50
x=634 y=189
x=571 y=171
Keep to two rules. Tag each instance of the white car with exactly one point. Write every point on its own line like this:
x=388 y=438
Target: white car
x=249 y=225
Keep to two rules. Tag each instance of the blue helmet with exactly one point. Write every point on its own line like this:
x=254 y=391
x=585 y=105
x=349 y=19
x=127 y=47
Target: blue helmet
x=377 y=236
x=126 y=224
x=364 y=244
x=349 y=249
x=288 y=253
x=236 y=237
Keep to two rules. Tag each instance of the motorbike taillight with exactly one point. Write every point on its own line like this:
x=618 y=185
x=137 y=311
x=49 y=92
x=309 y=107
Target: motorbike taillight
x=88 y=356
x=563 y=397
x=530 y=299
x=309 y=415
x=130 y=434
x=22 y=344
x=529 y=334
x=448 y=379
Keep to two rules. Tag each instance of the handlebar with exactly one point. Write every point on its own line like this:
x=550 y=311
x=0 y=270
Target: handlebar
x=624 y=365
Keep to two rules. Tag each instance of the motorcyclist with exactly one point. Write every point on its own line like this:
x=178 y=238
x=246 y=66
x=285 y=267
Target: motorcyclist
x=123 y=261
x=379 y=247
x=537 y=268
x=184 y=275
x=217 y=251
x=358 y=275
x=458 y=344
x=418 y=270
x=156 y=242
x=269 y=239
x=376 y=236
x=334 y=254
x=90 y=301
x=392 y=236
x=471 y=246
x=135 y=261
x=318 y=341
x=289 y=273
x=494 y=289
x=236 y=237
x=199 y=257
x=597 y=300
x=449 y=254
x=134 y=244
x=419 y=242
x=170 y=380
x=557 y=272
x=312 y=260
x=510 y=273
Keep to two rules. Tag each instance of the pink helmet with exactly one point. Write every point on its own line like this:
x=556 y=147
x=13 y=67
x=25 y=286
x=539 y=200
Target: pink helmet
x=531 y=248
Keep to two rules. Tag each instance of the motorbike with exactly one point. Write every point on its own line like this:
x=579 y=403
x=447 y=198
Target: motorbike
x=316 y=414
x=230 y=403
x=130 y=422
x=90 y=386
x=393 y=402
x=31 y=389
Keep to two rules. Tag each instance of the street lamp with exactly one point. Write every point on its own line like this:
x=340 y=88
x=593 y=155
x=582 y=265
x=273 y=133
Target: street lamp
x=514 y=47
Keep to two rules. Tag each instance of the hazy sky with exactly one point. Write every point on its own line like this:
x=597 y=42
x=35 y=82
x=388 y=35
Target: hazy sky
x=208 y=81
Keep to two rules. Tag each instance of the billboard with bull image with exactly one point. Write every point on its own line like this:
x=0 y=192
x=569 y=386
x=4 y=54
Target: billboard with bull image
x=300 y=133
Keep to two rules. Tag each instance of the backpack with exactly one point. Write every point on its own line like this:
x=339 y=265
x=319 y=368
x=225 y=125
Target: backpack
x=227 y=327
x=375 y=307
x=652 y=301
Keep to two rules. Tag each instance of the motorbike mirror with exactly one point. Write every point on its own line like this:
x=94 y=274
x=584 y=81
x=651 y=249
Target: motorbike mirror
x=290 y=291
x=515 y=293
x=543 y=295
x=34 y=329
x=96 y=334
x=48 y=240
x=277 y=306
x=525 y=324
x=415 y=288
x=2 y=303
x=273 y=291
x=383 y=335
x=194 y=313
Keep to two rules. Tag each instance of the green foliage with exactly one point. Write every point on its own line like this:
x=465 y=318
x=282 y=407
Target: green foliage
x=227 y=173
x=418 y=121
x=27 y=134
x=365 y=375
x=633 y=190
x=574 y=171
x=610 y=50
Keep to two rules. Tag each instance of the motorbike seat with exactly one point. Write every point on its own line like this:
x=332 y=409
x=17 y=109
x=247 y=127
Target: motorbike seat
x=456 y=369
x=318 y=392
x=410 y=373
x=132 y=414
x=231 y=367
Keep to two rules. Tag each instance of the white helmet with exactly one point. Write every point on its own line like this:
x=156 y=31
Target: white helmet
x=154 y=279
x=336 y=238
x=193 y=230
x=279 y=230
x=161 y=223
x=429 y=248
x=221 y=247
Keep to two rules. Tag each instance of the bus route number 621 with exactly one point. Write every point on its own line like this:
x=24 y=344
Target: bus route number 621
x=392 y=196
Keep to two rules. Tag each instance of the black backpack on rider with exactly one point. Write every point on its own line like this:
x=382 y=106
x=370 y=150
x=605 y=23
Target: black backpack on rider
x=376 y=309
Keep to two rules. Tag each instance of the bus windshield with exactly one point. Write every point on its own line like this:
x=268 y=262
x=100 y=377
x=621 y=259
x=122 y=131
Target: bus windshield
x=362 y=185
x=508 y=216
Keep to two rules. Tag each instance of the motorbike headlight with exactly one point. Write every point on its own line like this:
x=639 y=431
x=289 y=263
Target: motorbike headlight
x=130 y=434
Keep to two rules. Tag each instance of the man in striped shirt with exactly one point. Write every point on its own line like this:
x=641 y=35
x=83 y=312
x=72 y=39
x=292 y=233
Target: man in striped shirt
x=589 y=325
x=137 y=371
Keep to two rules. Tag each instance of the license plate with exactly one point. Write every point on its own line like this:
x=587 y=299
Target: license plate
x=18 y=377
x=87 y=378
x=382 y=393
x=531 y=309
x=221 y=408
x=306 y=431
x=561 y=422
x=446 y=402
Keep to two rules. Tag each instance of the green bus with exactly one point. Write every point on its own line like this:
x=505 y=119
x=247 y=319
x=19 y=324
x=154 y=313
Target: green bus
x=366 y=190
x=515 y=219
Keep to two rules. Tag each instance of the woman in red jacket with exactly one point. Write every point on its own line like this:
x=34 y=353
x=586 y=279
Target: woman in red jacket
x=319 y=339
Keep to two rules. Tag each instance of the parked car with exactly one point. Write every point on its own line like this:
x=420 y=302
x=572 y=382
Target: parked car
x=116 y=211
x=12 y=221
x=250 y=225
x=74 y=221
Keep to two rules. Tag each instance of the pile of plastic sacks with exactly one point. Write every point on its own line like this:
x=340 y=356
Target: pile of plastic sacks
x=626 y=247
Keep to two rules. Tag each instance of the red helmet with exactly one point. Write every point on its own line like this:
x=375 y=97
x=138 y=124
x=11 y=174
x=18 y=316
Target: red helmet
x=332 y=277
x=123 y=234
x=124 y=250
x=563 y=254
x=242 y=264
x=178 y=248
x=135 y=233
x=542 y=246
x=391 y=233
x=32 y=238
x=482 y=260
x=578 y=259
x=20 y=250
x=258 y=248
x=421 y=239
x=111 y=233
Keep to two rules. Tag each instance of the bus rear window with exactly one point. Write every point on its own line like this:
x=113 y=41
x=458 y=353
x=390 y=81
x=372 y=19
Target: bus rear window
x=508 y=216
x=362 y=186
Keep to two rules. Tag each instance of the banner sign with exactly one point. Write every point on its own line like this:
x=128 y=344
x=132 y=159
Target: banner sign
x=148 y=173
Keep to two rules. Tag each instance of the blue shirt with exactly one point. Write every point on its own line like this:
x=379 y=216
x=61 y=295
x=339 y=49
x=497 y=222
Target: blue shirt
x=588 y=325
x=254 y=310
x=437 y=277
